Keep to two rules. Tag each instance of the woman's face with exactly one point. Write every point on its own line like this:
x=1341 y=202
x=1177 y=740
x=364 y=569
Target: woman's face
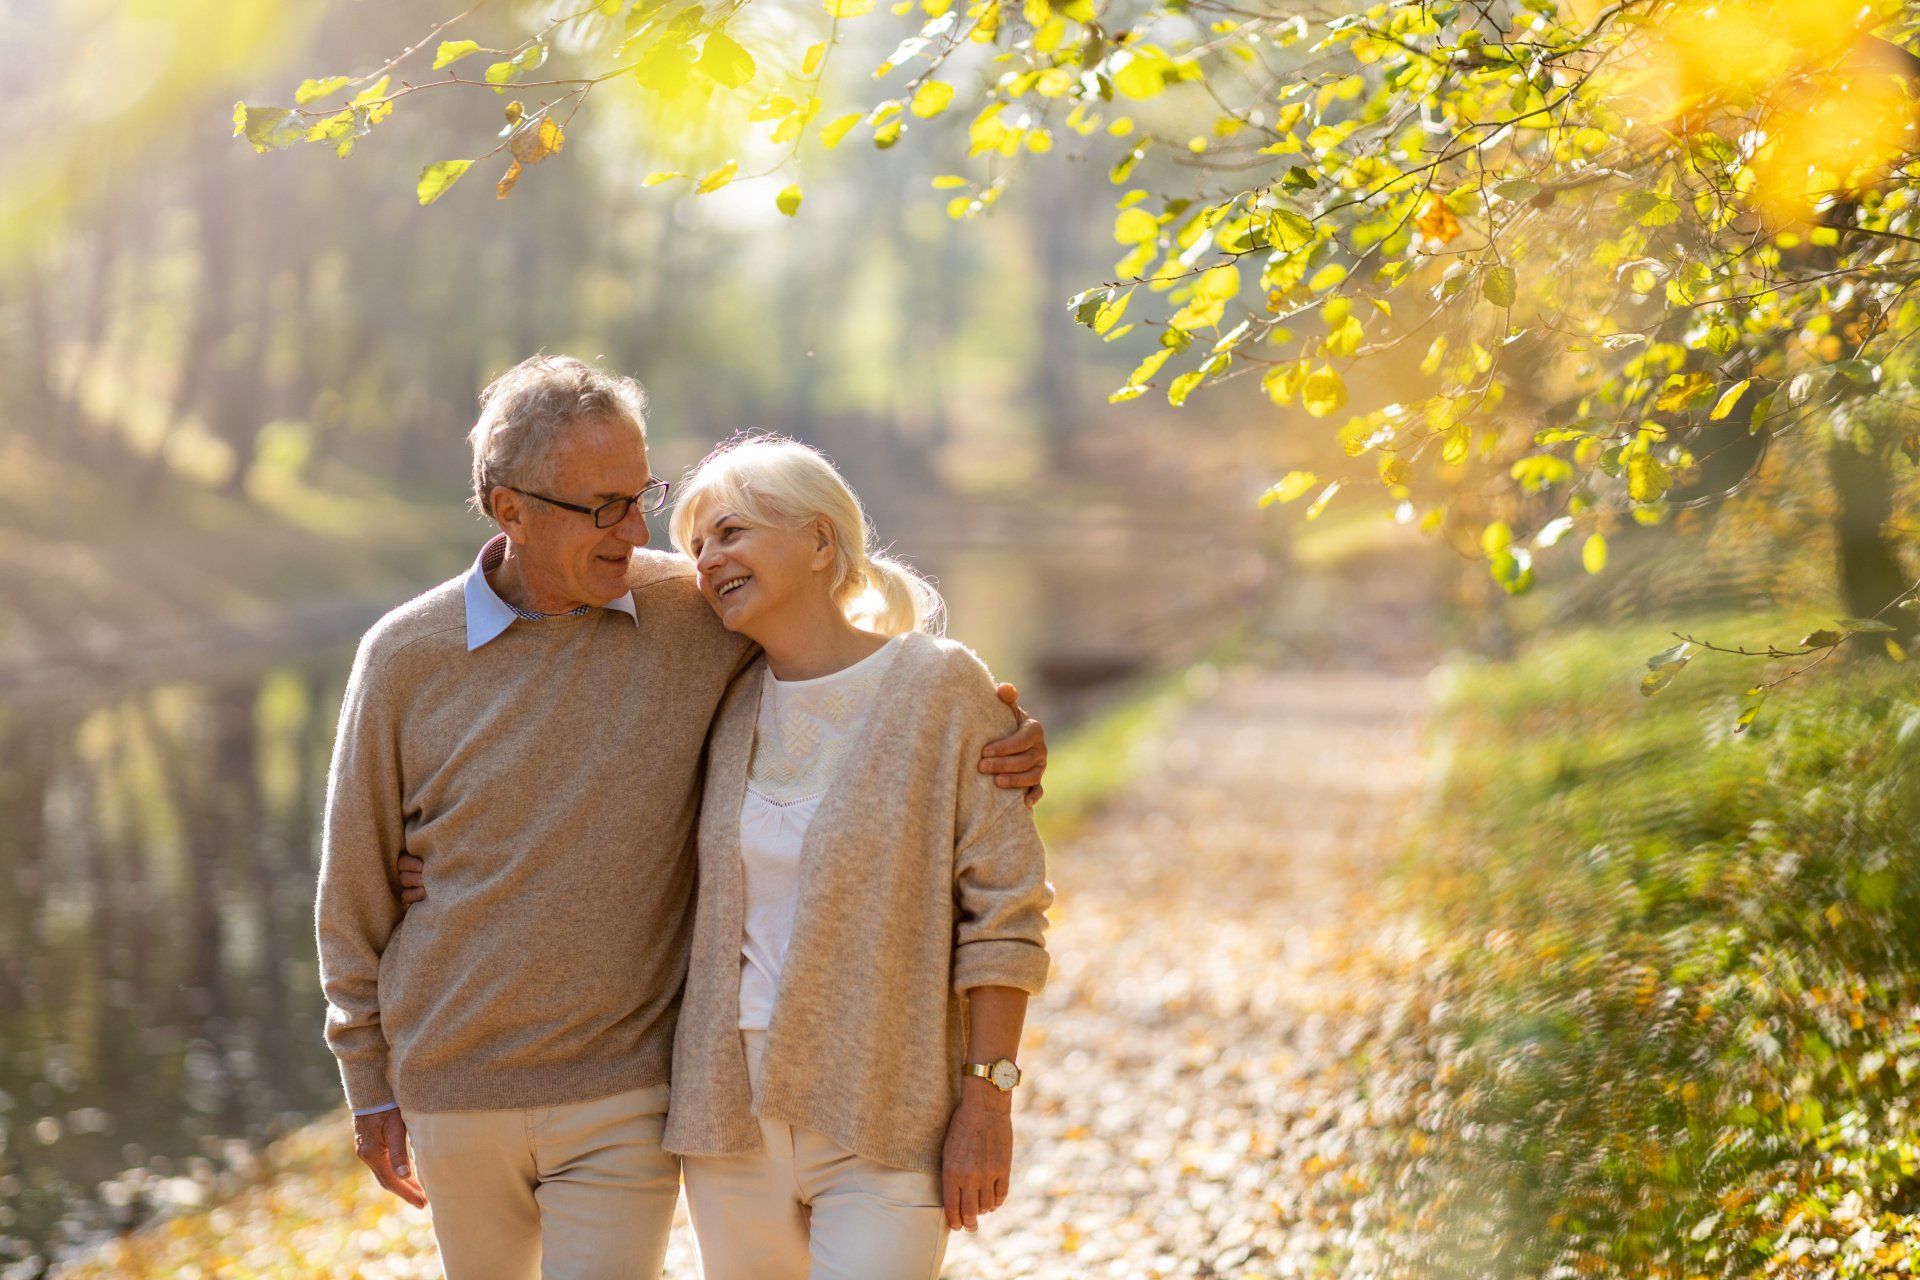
x=753 y=574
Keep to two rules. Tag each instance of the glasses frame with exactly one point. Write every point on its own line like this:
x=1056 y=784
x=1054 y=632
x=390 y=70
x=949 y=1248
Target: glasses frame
x=651 y=501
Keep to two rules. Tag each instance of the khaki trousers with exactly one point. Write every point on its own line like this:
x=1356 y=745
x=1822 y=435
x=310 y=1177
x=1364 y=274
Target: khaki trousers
x=806 y=1208
x=575 y=1192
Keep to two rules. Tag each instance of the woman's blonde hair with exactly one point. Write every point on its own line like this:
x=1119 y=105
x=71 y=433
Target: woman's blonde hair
x=771 y=479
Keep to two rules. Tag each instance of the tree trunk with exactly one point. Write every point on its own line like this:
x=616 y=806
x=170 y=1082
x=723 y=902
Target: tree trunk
x=1871 y=575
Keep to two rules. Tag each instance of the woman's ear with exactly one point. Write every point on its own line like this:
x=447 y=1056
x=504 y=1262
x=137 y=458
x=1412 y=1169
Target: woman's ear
x=824 y=544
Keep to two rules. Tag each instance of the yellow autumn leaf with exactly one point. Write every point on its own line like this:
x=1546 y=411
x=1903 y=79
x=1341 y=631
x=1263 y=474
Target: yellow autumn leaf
x=1135 y=226
x=1324 y=393
x=831 y=135
x=931 y=98
x=1291 y=486
x=1436 y=222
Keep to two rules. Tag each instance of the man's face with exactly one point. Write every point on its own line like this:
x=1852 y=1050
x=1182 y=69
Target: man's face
x=562 y=554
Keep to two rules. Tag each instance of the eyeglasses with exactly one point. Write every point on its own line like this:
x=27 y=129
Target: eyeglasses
x=609 y=514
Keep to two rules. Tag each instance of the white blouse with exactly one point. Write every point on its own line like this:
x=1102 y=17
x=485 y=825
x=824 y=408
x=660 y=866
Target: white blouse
x=806 y=729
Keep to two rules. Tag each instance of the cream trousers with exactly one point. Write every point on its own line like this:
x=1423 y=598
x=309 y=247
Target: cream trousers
x=806 y=1208
x=576 y=1192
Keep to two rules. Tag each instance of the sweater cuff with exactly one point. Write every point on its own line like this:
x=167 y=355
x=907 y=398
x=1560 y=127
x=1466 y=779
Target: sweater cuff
x=366 y=1084
x=1000 y=962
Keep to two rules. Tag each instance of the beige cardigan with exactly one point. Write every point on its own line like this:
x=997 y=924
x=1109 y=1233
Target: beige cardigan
x=920 y=878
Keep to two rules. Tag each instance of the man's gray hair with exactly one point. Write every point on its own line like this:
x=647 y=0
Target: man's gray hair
x=526 y=410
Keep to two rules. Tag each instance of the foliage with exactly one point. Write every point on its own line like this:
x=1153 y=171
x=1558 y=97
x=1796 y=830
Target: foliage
x=1670 y=1023
x=1542 y=262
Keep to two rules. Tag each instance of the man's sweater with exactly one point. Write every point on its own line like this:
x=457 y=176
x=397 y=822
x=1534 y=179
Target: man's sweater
x=549 y=779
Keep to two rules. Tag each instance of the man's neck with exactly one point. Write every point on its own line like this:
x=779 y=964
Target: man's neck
x=510 y=582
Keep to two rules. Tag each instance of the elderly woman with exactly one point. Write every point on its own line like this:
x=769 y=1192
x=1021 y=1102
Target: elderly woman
x=871 y=910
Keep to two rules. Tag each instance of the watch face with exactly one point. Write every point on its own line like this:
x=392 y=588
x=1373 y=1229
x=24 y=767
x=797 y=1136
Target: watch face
x=1004 y=1075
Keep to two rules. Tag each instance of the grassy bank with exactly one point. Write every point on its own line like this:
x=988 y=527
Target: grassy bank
x=1670 y=1023
x=87 y=563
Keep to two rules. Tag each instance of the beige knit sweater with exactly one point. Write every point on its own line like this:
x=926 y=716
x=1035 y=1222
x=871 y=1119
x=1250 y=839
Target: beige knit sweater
x=550 y=781
x=920 y=878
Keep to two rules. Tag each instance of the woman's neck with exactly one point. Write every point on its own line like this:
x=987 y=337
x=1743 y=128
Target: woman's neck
x=814 y=642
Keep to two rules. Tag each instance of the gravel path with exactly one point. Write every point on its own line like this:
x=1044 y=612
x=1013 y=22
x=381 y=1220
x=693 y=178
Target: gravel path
x=1184 y=1059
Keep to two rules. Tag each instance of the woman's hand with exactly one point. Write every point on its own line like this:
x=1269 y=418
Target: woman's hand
x=413 y=880
x=978 y=1160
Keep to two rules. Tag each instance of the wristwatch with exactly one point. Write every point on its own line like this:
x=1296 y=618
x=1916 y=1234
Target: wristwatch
x=1001 y=1074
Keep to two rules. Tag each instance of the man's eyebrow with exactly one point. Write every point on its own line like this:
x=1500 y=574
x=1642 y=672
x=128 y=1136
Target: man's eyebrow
x=607 y=495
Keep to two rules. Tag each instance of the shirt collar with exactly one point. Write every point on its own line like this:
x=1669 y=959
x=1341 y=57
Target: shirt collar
x=488 y=615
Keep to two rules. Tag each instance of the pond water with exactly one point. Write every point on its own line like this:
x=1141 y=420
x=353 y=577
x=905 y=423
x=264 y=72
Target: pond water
x=160 y=1009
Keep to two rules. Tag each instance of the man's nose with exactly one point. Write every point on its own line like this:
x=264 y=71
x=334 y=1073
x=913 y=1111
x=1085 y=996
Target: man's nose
x=633 y=527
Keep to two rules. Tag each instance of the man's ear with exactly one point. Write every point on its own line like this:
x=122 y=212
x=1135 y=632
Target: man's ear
x=510 y=513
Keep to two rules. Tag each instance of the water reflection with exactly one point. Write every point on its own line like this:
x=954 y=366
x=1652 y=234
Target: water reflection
x=157 y=988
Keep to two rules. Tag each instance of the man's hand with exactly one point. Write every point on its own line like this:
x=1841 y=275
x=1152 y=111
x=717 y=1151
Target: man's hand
x=413 y=879
x=380 y=1140
x=1017 y=760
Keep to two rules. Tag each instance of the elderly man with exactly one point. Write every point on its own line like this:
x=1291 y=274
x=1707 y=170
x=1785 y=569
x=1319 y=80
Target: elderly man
x=534 y=731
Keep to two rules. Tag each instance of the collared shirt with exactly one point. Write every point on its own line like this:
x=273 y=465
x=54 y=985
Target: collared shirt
x=488 y=615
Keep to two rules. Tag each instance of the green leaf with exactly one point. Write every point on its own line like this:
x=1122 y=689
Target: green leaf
x=451 y=51
x=1593 y=553
x=500 y=74
x=1182 y=386
x=1662 y=667
x=437 y=177
x=311 y=90
x=725 y=61
x=788 y=201
x=1500 y=286
x=717 y=178
x=1663 y=211
x=1647 y=478
x=1864 y=624
x=267 y=128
